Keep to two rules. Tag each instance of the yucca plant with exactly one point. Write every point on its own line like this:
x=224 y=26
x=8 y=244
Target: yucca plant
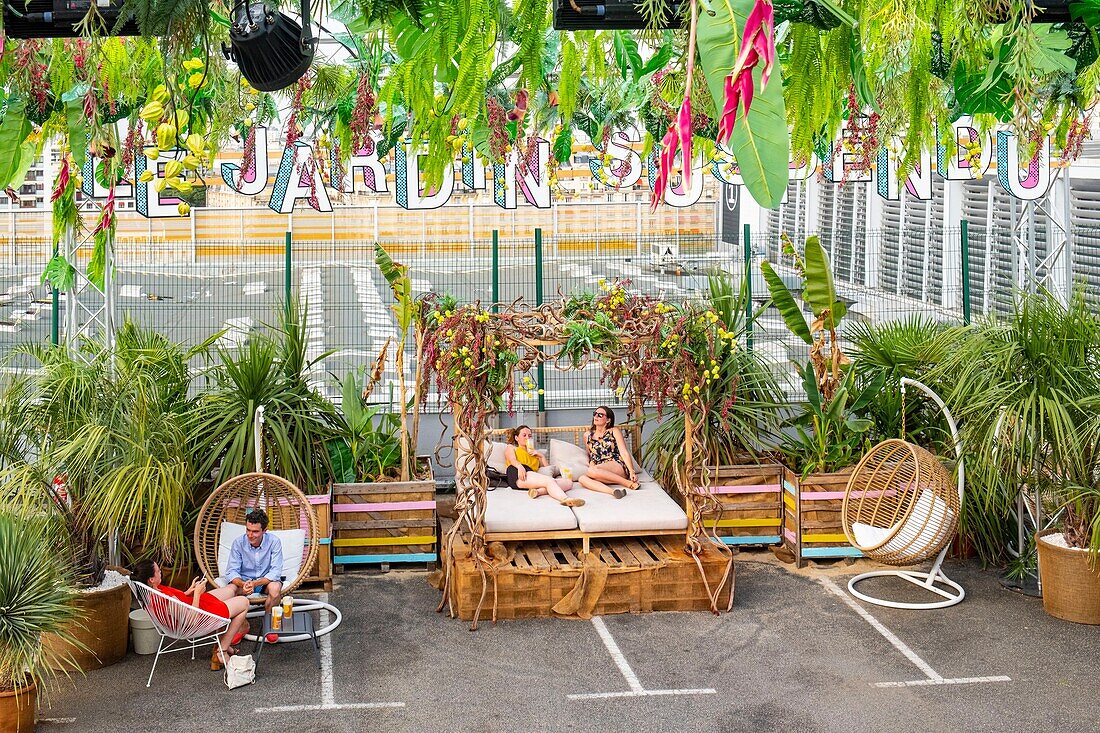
x=111 y=421
x=750 y=424
x=1024 y=388
x=271 y=371
x=36 y=597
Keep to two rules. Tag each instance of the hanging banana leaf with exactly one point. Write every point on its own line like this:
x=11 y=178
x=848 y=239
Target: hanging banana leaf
x=785 y=303
x=760 y=142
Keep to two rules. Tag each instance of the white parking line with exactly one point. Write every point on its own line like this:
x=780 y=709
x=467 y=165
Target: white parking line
x=328 y=692
x=632 y=681
x=934 y=677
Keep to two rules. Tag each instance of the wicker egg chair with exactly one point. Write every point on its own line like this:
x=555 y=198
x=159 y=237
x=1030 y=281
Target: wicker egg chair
x=286 y=507
x=902 y=507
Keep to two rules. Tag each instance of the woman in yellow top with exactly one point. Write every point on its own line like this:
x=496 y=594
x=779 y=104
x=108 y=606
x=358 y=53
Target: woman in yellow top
x=523 y=465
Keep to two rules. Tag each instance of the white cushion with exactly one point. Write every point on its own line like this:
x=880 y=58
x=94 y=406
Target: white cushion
x=564 y=454
x=497 y=456
x=292 y=540
x=508 y=510
x=647 y=508
x=922 y=530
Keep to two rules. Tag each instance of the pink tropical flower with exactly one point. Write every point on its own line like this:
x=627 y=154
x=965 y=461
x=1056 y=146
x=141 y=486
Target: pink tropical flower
x=677 y=139
x=107 y=215
x=757 y=44
x=62 y=180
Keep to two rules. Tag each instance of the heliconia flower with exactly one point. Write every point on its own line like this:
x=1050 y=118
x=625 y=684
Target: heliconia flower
x=757 y=43
x=107 y=215
x=678 y=138
x=62 y=180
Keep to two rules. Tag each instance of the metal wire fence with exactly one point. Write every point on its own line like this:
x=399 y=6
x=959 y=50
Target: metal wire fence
x=229 y=287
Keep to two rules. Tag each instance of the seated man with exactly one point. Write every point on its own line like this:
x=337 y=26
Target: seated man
x=256 y=560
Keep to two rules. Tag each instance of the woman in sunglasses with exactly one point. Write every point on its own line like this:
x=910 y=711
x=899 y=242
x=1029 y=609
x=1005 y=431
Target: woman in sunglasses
x=609 y=465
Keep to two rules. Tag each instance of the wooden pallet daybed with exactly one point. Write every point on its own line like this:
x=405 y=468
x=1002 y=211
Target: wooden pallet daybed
x=647 y=512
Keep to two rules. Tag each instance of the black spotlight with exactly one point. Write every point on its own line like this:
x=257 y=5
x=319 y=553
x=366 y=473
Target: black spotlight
x=601 y=15
x=58 y=18
x=271 y=49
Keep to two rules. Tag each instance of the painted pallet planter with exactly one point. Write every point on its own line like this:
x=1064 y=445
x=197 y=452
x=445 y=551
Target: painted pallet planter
x=813 y=516
x=321 y=572
x=644 y=574
x=384 y=523
x=752 y=503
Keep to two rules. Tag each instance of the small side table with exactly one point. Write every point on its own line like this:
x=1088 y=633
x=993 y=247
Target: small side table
x=301 y=622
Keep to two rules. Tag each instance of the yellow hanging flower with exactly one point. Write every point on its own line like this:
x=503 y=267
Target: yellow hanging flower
x=184 y=208
x=193 y=64
x=197 y=80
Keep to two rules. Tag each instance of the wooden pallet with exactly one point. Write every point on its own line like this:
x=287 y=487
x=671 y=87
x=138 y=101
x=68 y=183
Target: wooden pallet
x=384 y=523
x=813 y=516
x=644 y=574
x=752 y=503
x=320 y=575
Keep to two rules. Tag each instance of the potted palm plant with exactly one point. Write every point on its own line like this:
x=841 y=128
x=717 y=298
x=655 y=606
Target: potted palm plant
x=271 y=370
x=736 y=439
x=96 y=438
x=36 y=595
x=827 y=437
x=1025 y=387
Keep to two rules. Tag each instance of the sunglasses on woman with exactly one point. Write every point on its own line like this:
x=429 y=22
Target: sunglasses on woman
x=599 y=414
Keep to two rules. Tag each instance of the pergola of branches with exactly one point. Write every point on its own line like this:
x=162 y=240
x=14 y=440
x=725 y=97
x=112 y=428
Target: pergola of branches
x=653 y=353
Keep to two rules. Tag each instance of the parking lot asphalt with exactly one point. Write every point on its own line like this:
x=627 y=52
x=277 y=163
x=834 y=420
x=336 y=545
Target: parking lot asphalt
x=793 y=655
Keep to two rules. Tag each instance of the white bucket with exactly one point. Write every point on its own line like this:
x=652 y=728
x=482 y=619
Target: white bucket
x=146 y=639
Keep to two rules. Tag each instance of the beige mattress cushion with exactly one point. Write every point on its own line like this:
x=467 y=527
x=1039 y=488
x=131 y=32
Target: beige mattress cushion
x=507 y=510
x=648 y=508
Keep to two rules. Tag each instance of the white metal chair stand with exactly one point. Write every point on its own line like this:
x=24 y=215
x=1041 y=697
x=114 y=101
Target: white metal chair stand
x=902 y=508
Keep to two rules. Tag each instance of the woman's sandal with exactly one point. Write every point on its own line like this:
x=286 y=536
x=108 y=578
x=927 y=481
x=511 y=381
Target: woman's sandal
x=216 y=662
x=573 y=502
x=619 y=493
x=533 y=493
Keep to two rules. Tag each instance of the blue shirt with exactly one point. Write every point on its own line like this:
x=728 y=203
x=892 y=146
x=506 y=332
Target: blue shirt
x=251 y=563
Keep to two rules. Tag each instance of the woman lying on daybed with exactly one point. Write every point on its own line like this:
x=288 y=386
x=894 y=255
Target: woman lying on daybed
x=524 y=463
x=610 y=467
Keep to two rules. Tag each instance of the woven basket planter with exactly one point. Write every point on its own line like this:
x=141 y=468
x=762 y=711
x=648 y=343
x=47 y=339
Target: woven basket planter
x=1071 y=589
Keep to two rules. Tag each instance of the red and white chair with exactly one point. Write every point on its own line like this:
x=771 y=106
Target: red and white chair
x=181 y=626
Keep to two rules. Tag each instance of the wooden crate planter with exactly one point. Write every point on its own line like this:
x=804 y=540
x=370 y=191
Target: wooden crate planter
x=321 y=572
x=644 y=574
x=813 y=516
x=752 y=504
x=383 y=523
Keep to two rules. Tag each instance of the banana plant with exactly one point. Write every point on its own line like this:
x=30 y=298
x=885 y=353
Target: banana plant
x=831 y=434
x=405 y=310
x=818 y=292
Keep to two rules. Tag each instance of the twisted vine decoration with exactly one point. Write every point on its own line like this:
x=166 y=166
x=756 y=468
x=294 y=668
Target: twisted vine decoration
x=653 y=352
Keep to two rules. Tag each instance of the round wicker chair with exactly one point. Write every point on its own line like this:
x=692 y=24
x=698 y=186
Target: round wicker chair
x=286 y=507
x=902 y=507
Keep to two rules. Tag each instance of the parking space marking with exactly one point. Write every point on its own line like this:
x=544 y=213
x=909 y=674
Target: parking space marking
x=328 y=692
x=933 y=677
x=632 y=681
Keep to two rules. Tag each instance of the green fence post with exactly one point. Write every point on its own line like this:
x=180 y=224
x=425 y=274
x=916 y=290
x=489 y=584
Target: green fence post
x=540 y=371
x=964 y=243
x=748 y=286
x=288 y=279
x=496 y=271
x=55 y=313
x=55 y=309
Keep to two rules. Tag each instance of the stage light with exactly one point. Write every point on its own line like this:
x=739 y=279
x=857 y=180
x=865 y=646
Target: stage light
x=271 y=49
x=600 y=15
x=58 y=18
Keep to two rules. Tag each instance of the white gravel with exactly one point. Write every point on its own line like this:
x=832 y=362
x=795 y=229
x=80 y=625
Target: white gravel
x=111 y=579
x=1058 y=539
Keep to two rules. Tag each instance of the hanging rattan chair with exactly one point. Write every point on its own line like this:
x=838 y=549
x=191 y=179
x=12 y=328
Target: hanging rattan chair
x=902 y=507
x=287 y=509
